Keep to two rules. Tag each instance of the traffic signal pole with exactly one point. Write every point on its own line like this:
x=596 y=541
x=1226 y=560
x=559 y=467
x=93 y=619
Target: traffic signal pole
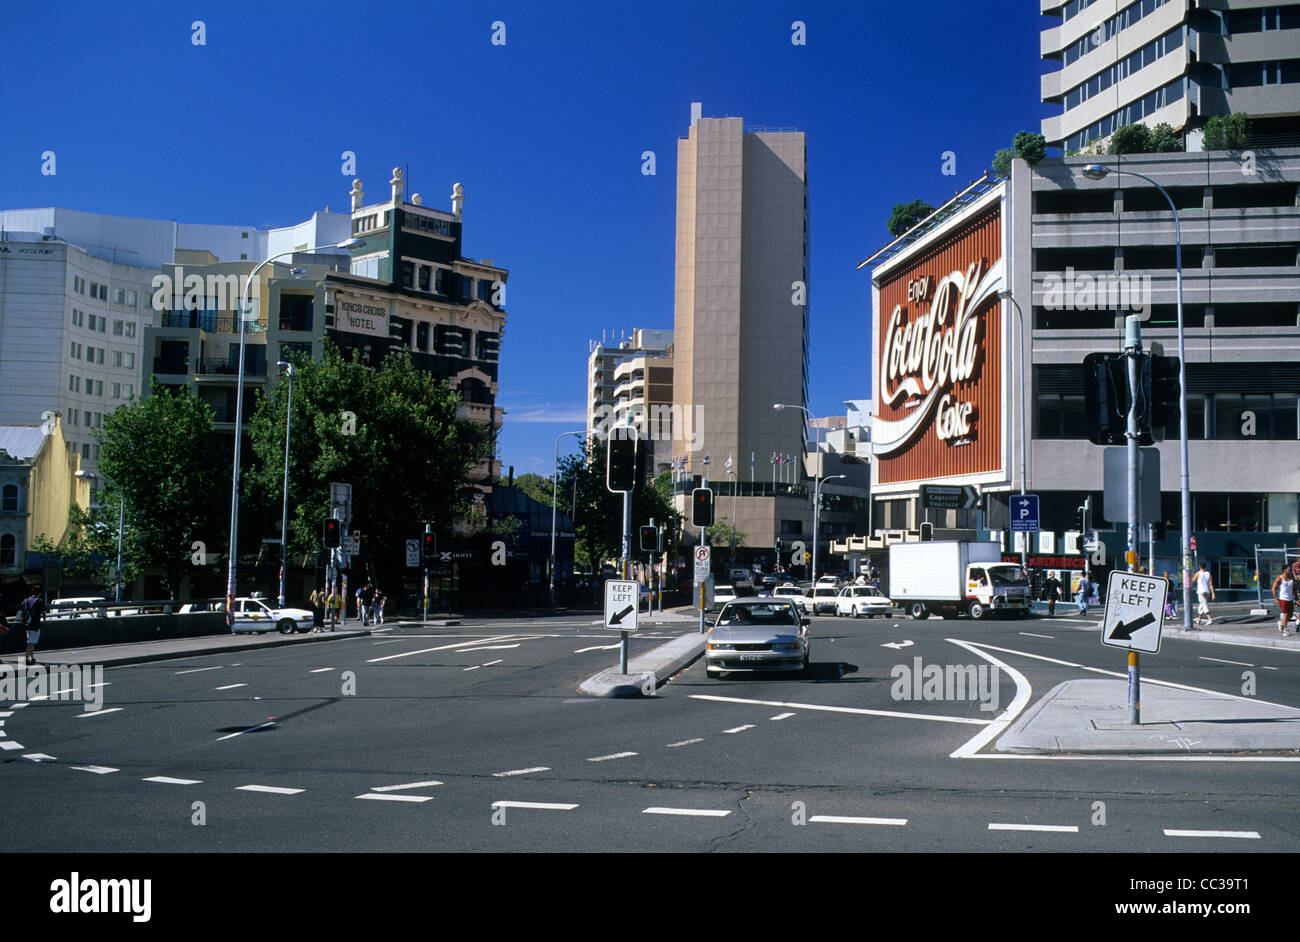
x=1133 y=353
x=627 y=573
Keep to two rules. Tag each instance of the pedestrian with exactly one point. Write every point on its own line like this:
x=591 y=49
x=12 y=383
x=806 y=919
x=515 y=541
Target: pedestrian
x=380 y=599
x=1171 y=597
x=30 y=613
x=1284 y=593
x=1052 y=592
x=368 y=599
x=1081 y=596
x=334 y=603
x=361 y=603
x=318 y=609
x=1204 y=595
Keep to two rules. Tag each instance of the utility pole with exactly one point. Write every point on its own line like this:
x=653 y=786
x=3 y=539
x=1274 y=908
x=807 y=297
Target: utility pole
x=1133 y=355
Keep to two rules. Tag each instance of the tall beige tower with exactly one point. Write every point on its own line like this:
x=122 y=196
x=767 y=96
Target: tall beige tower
x=741 y=316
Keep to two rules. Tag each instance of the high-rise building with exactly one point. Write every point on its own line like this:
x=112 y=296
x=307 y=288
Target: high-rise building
x=1169 y=61
x=631 y=380
x=741 y=319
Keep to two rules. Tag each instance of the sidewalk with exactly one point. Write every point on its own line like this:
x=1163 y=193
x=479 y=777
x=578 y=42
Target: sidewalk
x=1091 y=717
x=139 y=652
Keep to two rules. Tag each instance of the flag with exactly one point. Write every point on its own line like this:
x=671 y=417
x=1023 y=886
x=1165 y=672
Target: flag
x=727 y=466
x=706 y=460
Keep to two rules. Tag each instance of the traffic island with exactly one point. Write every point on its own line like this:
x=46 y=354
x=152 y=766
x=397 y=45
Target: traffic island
x=1091 y=717
x=647 y=672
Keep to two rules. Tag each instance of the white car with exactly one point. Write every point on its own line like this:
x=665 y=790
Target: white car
x=722 y=594
x=89 y=606
x=794 y=594
x=823 y=597
x=256 y=615
x=859 y=600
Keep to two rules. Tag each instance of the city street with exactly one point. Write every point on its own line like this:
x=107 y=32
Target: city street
x=475 y=737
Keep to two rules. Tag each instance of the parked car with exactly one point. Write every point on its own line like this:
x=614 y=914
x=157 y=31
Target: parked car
x=258 y=616
x=823 y=597
x=794 y=594
x=754 y=635
x=722 y=594
x=859 y=600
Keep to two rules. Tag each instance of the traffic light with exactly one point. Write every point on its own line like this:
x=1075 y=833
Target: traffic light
x=1105 y=398
x=927 y=531
x=779 y=545
x=649 y=539
x=1162 y=381
x=622 y=462
x=331 y=533
x=429 y=546
x=702 y=507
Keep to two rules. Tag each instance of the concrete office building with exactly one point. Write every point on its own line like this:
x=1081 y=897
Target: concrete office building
x=631 y=379
x=1115 y=63
x=741 y=318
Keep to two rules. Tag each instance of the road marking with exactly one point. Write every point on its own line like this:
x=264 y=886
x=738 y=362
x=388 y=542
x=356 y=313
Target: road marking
x=6 y=713
x=320 y=670
x=17 y=706
x=841 y=819
x=836 y=709
x=739 y=729
x=9 y=745
x=995 y=729
x=474 y=668
x=1251 y=835
x=490 y=663
x=1222 y=661
x=616 y=755
x=537 y=768
x=242 y=731
x=97 y=769
x=689 y=812
x=1065 y=828
x=82 y=716
x=684 y=742
x=598 y=647
x=543 y=805
x=195 y=670
x=415 y=798
x=442 y=647
x=1030 y=634
x=37 y=756
x=489 y=647
x=781 y=716
x=398 y=788
x=269 y=789
x=230 y=686
x=167 y=780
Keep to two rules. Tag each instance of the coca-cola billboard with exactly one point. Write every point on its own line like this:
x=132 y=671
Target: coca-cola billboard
x=939 y=356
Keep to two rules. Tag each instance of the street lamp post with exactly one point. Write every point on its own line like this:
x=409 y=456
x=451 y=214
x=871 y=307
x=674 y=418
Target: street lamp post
x=778 y=406
x=346 y=245
x=1006 y=295
x=1098 y=172
x=284 y=513
x=555 y=484
x=817 y=507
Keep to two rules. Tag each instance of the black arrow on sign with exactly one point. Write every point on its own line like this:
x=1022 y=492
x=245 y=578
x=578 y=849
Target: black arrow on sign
x=617 y=619
x=1124 y=632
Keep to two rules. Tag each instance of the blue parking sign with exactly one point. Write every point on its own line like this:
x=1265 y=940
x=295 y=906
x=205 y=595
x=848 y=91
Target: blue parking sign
x=1024 y=513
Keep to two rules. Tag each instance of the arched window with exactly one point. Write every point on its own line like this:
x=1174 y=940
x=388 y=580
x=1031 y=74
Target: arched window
x=9 y=502
x=7 y=549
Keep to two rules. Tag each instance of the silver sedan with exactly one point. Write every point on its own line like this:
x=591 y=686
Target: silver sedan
x=757 y=635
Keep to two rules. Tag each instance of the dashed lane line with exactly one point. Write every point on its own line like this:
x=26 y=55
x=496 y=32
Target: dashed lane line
x=410 y=798
x=781 y=716
x=195 y=670
x=739 y=729
x=82 y=716
x=684 y=742
x=1249 y=835
x=474 y=668
x=689 y=812
x=1062 y=828
x=1030 y=634
x=859 y=711
x=320 y=670
x=844 y=819
x=1222 y=661
x=616 y=755
x=38 y=757
x=242 y=731
x=270 y=789
x=168 y=780
x=598 y=647
x=540 y=805
x=398 y=788
x=536 y=768
x=97 y=769
x=230 y=686
x=8 y=745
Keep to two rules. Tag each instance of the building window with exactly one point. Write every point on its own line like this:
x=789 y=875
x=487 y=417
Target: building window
x=73 y=381
x=422 y=336
x=128 y=390
x=119 y=296
x=128 y=359
x=99 y=387
x=408 y=275
x=131 y=299
x=117 y=328
x=85 y=451
x=99 y=355
x=10 y=499
x=116 y=389
x=423 y=283
x=1061 y=416
x=8 y=550
x=130 y=329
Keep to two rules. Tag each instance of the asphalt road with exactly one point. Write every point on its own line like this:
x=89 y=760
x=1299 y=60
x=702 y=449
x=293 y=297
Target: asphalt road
x=476 y=738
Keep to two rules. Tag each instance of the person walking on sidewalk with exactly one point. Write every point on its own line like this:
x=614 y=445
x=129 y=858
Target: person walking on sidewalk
x=29 y=614
x=318 y=610
x=334 y=604
x=1284 y=593
x=1052 y=592
x=1081 y=596
x=1204 y=595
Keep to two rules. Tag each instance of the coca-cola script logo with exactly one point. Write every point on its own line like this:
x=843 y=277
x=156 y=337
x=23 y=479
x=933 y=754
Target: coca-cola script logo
x=923 y=359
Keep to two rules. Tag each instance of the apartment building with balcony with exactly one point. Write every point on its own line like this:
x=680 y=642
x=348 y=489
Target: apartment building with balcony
x=1112 y=63
x=630 y=379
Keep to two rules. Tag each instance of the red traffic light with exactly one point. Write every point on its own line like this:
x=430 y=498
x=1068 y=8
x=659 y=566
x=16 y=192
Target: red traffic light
x=331 y=533
x=429 y=546
x=702 y=507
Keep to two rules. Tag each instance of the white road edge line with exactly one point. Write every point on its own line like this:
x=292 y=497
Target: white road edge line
x=854 y=710
x=537 y=768
x=842 y=819
x=994 y=729
x=1251 y=835
x=689 y=812
x=1063 y=828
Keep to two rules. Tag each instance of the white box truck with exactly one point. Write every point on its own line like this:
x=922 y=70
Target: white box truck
x=956 y=577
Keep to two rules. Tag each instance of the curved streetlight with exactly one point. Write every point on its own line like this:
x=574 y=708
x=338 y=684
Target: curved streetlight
x=1006 y=295
x=1098 y=172
x=284 y=513
x=555 y=483
x=817 y=507
x=346 y=245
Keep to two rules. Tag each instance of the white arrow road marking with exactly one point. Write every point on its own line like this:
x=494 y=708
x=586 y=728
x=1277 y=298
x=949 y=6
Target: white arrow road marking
x=415 y=798
x=442 y=647
x=542 y=805
x=166 y=780
x=840 y=819
x=599 y=647
x=690 y=812
x=1065 y=828
x=398 y=788
x=269 y=789
x=896 y=645
x=838 y=709
x=1252 y=835
x=538 y=768
x=97 y=769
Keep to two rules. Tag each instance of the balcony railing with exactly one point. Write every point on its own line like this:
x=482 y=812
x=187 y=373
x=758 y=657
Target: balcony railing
x=170 y=367
x=210 y=321
x=220 y=366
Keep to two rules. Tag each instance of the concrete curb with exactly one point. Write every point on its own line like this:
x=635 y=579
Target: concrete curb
x=654 y=667
x=1293 y=642
x=96 y=656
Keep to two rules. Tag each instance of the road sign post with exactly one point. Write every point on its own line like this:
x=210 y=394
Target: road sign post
x=702 y=566
x=622 y=610
x=1134 y=618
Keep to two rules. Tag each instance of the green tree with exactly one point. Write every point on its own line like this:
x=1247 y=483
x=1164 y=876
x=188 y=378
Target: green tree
x=403 y=449
x=1029 y=146
x=1002 y=161
x=599 y=523
x=906 y=215
x=1227 y=132
x=163 y=457
x=536 y=487
x=1165 y=140
x=1131 y=139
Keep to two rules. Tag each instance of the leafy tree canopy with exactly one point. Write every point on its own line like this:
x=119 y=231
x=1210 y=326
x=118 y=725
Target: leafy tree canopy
x=906 y=215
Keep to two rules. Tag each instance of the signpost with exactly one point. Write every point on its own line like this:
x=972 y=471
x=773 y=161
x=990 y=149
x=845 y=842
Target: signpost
x=622 y=610
x=412 y=554
x=939 y=497
x=702 y=572
x=1134 y=618
x=1024 y=513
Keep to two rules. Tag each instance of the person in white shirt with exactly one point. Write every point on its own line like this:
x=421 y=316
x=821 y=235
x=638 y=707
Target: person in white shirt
x=1204 y=594
x=1284 y=591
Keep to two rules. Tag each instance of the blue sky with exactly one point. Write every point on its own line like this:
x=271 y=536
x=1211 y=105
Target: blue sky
x=546 y=133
